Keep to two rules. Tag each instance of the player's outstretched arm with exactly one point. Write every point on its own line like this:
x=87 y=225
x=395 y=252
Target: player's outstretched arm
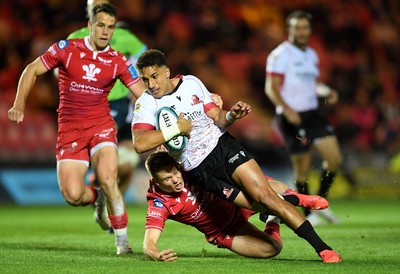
x=25 y=84
x=223 y=118
x=151 y=237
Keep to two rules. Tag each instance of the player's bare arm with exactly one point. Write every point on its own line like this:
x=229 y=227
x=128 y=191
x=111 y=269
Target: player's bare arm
x=151 y=237
x=146 y=140
x=223 y=118
x=272 y=90
x=25 y=84
x=137 y=89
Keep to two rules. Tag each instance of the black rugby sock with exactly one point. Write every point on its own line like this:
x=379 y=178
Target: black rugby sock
x=307 y=232
x=326 y=182
x=291 y=199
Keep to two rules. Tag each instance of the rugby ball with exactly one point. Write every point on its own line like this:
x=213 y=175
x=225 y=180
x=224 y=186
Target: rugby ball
x=166 y=117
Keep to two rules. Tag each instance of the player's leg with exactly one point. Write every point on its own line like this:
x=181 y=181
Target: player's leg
x=71 y=176
x=250 y=178
x=301 y=168
x=249 y=241
x=328 y=147
x=105 y=163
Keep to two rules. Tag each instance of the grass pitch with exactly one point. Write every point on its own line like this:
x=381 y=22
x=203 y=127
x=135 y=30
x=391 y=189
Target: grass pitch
x=63 y=239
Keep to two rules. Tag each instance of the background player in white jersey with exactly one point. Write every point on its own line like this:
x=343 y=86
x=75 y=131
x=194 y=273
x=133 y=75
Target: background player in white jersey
x=88 y=68
x=212 y=157
x=291 y=84
x=223 y=223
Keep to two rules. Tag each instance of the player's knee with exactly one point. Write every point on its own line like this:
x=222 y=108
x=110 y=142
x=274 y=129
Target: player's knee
x=270 y=250
x=73 y=198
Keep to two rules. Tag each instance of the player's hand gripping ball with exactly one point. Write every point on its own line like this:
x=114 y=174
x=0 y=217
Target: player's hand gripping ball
x=165 y=118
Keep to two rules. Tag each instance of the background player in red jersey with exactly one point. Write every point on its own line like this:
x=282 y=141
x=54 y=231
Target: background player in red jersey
x=88 y=69
x=223 y=223
x=120 y=99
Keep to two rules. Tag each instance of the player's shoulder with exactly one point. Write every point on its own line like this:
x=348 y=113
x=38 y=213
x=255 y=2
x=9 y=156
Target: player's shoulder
x=63 y=44
x=281 y=49
x=156 y=198
x=312 y=51
x=190 y=79
x=147 y=101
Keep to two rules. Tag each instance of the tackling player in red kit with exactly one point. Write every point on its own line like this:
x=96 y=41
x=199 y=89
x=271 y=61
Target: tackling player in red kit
x=224 y=224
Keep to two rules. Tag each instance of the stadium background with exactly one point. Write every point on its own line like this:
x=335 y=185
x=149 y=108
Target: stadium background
x=224 y=43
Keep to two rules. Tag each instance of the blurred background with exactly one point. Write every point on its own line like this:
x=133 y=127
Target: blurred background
x=224 y=43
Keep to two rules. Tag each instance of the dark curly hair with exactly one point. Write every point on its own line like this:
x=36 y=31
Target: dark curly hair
x=151 y=57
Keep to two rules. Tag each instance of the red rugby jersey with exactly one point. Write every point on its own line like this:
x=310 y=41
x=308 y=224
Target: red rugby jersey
x=86 y=78
x=207 y=212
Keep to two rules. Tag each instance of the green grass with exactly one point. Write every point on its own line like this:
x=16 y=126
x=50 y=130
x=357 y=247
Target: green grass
x=62 y=239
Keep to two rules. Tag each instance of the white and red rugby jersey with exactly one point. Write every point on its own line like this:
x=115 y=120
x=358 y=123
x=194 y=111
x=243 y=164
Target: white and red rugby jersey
x=86 y=78
x=193 y=99
x=299 y=71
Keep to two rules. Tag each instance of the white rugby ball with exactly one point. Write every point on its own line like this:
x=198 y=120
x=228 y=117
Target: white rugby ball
x=166 y=117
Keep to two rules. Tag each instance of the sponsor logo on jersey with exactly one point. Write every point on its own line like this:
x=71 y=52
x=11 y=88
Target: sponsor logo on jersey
x=113 y=113
x=190 y=197
x=52 y=50
x=227 y=192
x=104 y=61
x=195 y=100
x=91 y=72
x=62 y=44
x=73 y=145
x=105 y=133
x=137 y=107
x=78 y=87
x=158 y=203
x=234 y=158
x=82 y=54
x=133 y=72
x=197 y=213
x=154 y=214
x=113 y=53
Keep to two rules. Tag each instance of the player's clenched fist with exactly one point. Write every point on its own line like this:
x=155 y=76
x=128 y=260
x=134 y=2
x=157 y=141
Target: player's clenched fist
x=15 y=114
